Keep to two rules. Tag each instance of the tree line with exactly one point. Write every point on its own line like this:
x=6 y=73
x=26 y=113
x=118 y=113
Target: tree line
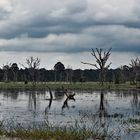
x=32 y=73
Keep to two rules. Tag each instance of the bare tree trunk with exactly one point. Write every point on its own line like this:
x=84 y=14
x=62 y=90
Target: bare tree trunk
x=6 y=76
x=55 y=76
x=101 y=60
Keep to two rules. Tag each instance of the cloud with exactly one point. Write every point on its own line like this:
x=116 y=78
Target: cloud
x=69 y=26
x=5 y=10
x=120 y=38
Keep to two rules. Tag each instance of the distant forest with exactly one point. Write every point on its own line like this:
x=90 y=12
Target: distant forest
x=13 y=73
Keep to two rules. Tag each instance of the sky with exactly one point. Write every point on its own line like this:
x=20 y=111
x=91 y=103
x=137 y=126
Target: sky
x=66 y=30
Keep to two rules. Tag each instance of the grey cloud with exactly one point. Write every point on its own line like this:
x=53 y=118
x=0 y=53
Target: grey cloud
x=119 y=38
x=70 y=26
x=68 y=16
x=39 y=21
x=4 y=14
x=5 y=9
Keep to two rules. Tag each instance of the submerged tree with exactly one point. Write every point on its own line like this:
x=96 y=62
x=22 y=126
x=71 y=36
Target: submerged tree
x=135 y=64
x=69 y=97
x=101 y=60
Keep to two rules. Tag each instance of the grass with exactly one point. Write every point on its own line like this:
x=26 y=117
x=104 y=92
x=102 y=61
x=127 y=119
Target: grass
x=50 y=133
x=133 y=121
x=133 y=124
x=73 y=86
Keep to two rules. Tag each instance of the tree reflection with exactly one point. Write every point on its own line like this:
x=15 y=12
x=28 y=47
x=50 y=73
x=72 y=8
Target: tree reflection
x=103 y=105
x=32 y=102
x=48 y=107
x=102 y=117
x=50 y=100
x=135 y=103
x=59 y=93
x=13 y=94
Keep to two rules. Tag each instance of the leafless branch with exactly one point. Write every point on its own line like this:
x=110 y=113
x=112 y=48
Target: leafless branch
x=101 y=59
x=89 y=64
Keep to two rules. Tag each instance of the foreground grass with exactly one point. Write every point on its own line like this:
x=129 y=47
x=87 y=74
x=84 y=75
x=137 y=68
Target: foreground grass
x=73 y=86
x=50 y=133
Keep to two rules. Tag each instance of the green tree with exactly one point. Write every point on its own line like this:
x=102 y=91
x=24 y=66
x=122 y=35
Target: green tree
x=15 y=69
x=6 y=69
x=59 y=69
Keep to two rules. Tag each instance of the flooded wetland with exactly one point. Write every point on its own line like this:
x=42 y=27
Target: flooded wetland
x=114 y=112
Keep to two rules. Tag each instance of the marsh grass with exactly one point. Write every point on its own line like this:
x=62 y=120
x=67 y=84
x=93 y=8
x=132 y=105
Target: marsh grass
x=132 y=120
x=71 y=86
x=79 y=130
x=97 y=130
x=49 y=132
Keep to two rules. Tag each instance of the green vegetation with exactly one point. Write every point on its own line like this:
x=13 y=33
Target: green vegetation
x=49 y=132
x=132 y=120
x=58 y=134
x=133 y=124
x=74 y=86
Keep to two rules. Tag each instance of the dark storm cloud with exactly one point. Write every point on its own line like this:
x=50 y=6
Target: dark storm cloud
x=69 y=26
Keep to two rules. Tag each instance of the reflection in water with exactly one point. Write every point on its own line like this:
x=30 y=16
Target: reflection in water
x=13 y=94
x=103 y=107
x=102 y=119
x=50 y=92
x=91 y=108
x=102 y=101
x=49 y=106
x=60 y=93
x=50 y=101
x=135 y=103
x=33 y=99
x=32 y=102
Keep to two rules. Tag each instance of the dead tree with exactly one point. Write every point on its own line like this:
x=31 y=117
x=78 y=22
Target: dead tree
x=32 y=66
x=101 y=60
x=50 y=100
x=135 y=64
x=69 y=97
x=50 y=91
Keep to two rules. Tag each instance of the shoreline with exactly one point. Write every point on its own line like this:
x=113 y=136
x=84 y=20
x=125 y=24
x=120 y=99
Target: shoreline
x=70 y=86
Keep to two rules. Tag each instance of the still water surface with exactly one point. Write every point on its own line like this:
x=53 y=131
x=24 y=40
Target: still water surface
x=111 y=110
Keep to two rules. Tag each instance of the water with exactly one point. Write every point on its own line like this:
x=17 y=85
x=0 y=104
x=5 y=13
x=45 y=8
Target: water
x=117 y=112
